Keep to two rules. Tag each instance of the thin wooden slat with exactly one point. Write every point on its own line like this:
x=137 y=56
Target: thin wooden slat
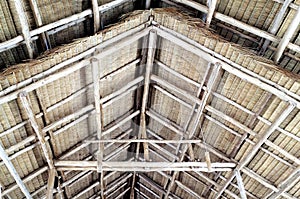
x=14 y=173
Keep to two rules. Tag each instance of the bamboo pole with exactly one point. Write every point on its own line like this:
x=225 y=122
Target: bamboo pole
x=211 y=9
x=96 y=15
x=25 y=27
x=256 y=147
x=287 y=36
x=14 y=173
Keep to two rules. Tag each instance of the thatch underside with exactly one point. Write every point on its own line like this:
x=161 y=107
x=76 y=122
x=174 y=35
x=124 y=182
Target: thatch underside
x=201 y=87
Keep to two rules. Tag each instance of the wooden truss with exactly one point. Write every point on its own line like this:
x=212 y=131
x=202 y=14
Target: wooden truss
x=152 y=29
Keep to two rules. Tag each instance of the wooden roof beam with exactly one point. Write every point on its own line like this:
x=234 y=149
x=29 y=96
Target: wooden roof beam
x=256 y=147
x=240 y=184
x=96 y=15
x=24 y=27
x=98 y=106
x=40 y=135
x=14 y=173
x=287 y=36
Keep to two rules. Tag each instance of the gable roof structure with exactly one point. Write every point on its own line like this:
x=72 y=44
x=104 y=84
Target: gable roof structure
x=156 y=106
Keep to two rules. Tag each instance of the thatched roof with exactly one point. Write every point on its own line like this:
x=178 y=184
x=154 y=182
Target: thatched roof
x=157 y=105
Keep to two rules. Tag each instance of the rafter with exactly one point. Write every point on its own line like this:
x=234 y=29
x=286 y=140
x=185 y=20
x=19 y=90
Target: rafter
x=211 y=9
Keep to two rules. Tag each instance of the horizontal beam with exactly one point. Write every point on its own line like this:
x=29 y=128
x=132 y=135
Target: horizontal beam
x=143 y=140
x=142 y=166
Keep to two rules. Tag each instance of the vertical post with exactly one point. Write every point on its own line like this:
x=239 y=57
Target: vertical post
x=96 y=78
x=38 y=20
x=148 y=4
x=149 y=66
x=256 y=147
x=13 y=172
x=287 y=36
x=240 y=184
x=50 y=185
x=96 y=15
x=24 y=27
x=211 y=9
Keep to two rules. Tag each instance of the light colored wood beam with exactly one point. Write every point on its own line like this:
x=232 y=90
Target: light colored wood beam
x=14 y=173
x=50 y=186
x=37 y=129
x=147 y=4
x=96 y=15
x=287 y=36
x=143 y=140
x=24 y=27
x=256 y=147
x=149 y=66
x=240 y=184
x=98 y=107
x=211 y=9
